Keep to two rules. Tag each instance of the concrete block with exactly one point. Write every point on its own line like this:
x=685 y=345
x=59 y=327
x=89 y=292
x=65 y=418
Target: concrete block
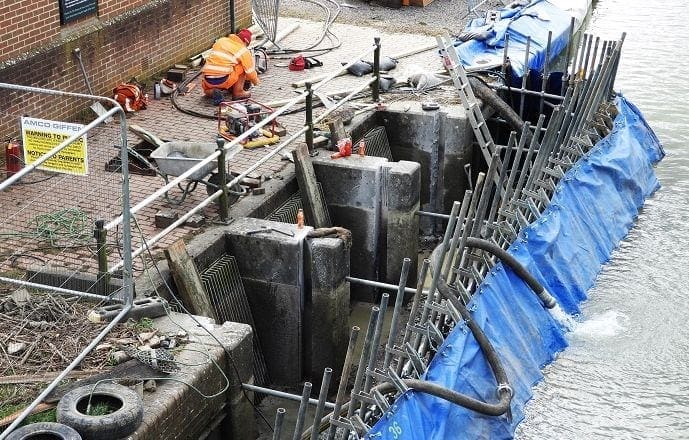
x=272 y=269
x=401 y=224
x=165 y=217
x=195 y=221
x=326 y=307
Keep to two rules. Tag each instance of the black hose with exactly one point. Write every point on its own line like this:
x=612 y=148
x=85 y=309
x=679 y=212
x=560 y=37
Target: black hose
x=546 y=298
x=492 y=99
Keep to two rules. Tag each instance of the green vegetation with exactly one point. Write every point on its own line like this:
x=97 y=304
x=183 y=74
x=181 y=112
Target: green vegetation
x=143 y=324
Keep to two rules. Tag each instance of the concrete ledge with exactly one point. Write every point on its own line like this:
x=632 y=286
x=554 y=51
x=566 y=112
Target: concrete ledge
x=175 y=411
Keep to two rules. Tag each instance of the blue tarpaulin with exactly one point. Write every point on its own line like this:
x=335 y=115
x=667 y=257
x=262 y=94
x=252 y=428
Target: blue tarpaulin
x=534 y=20
x=593 y=208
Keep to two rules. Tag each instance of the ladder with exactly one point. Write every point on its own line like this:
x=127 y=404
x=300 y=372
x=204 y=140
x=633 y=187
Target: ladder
x=466 y=95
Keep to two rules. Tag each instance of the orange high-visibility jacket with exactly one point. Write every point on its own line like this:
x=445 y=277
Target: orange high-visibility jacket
x=225 y=54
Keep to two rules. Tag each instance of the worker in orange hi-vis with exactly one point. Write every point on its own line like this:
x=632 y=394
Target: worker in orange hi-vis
x=228 y=67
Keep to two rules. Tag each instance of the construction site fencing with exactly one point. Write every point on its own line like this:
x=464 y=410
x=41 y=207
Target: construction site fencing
x=52 y=197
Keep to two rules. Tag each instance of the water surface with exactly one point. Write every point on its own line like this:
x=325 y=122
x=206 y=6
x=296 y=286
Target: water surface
x=626 y=372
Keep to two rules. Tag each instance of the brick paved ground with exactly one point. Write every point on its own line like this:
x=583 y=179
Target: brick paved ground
x=98 y=194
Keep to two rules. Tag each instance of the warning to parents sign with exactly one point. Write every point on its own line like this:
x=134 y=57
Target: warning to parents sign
x=40 y=136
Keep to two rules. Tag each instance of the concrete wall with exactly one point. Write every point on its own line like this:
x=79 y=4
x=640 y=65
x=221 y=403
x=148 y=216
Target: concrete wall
x=298 y=296
x=127 y=38
x=376 y=200
x=441 y=141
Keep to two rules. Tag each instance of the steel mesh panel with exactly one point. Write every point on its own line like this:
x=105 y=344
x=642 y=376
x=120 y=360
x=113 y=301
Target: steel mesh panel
x=287 y=212
x=224 y=286
x=377 y=143
x=266 y=16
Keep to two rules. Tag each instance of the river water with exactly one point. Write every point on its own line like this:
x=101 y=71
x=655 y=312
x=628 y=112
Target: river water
x=626 y=372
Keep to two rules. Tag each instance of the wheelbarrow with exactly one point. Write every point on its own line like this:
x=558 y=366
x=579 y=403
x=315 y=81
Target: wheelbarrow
x=176 y=157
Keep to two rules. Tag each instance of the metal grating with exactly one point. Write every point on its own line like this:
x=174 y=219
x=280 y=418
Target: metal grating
x=223 y=284
x=287 y=212
x=377 y=143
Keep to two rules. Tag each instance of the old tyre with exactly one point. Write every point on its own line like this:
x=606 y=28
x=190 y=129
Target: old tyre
x=126 y=406
x=232 y=195
x=44 y=431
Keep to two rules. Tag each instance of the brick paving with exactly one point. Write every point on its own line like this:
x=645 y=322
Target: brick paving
x=98 y=194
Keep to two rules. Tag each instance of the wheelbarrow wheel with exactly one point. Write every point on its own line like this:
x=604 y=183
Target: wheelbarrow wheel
x=232 y=195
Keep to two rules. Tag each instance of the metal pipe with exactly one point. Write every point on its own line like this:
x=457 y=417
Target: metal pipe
x=339 y=103
x=342 y=387
x=414 y=308
x=546 y=71
x=325 y=385
x=375 y=95
x=525 y=78
x=101 y=235
x=373 y=354
x=399 y=299
x=66 y=371
x=59 y=290
x=281 y=394
x=458 y=229
x=432 y=214
x=302 y=411
x=362 y=359
x=380 y=285
x=223 y=202
x=279 y=421
x=526 y=92
x=309 y=118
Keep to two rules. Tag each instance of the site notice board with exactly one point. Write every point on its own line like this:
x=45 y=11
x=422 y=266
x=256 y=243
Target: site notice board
x=39 y=136
x=70 y=10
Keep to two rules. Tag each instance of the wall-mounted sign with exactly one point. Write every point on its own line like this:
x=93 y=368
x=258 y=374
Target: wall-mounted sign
x=70 y=10
x=39 y=136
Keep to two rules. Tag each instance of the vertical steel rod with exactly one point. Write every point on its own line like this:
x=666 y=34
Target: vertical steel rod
x=342 y=387
x=322 y=395
x=375 y=93
x=279 y=421
x=223 y=201
x=399 y=299
x=376 y=341
x=309 y=117
x=363 y=358
x=306 y=392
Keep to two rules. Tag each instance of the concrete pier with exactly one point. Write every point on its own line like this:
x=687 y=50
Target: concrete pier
x=377 y=201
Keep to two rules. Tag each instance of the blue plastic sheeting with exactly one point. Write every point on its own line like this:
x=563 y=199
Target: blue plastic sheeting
x=534 y=20
x=593 y=209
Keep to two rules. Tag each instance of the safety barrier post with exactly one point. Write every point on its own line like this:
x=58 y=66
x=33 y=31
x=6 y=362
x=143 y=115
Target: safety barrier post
x=100 y=234
x=376 y=70
x=309 y=118
x=223 y=202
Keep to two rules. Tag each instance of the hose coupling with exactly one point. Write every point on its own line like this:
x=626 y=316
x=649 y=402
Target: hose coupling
x=547 y=299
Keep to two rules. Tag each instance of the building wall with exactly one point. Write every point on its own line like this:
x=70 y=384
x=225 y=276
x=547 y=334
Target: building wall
x=126 y=39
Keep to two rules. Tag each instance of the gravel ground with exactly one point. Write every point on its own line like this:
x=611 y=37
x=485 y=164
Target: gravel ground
x=438 y=16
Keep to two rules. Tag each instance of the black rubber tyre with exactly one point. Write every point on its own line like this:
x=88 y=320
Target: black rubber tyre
x=129 y=412
x=44 y=431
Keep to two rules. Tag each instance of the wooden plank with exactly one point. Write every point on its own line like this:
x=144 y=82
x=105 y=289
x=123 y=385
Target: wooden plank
x=188 y=281
x=314 y=205
x=44 y=377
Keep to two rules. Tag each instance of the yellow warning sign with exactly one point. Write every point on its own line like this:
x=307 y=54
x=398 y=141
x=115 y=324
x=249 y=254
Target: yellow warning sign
x=40 y=136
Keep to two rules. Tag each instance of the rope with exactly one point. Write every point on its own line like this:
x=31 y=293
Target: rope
x=65 y=225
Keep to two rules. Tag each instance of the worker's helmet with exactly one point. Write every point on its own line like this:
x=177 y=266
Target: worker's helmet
x=245 y=35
